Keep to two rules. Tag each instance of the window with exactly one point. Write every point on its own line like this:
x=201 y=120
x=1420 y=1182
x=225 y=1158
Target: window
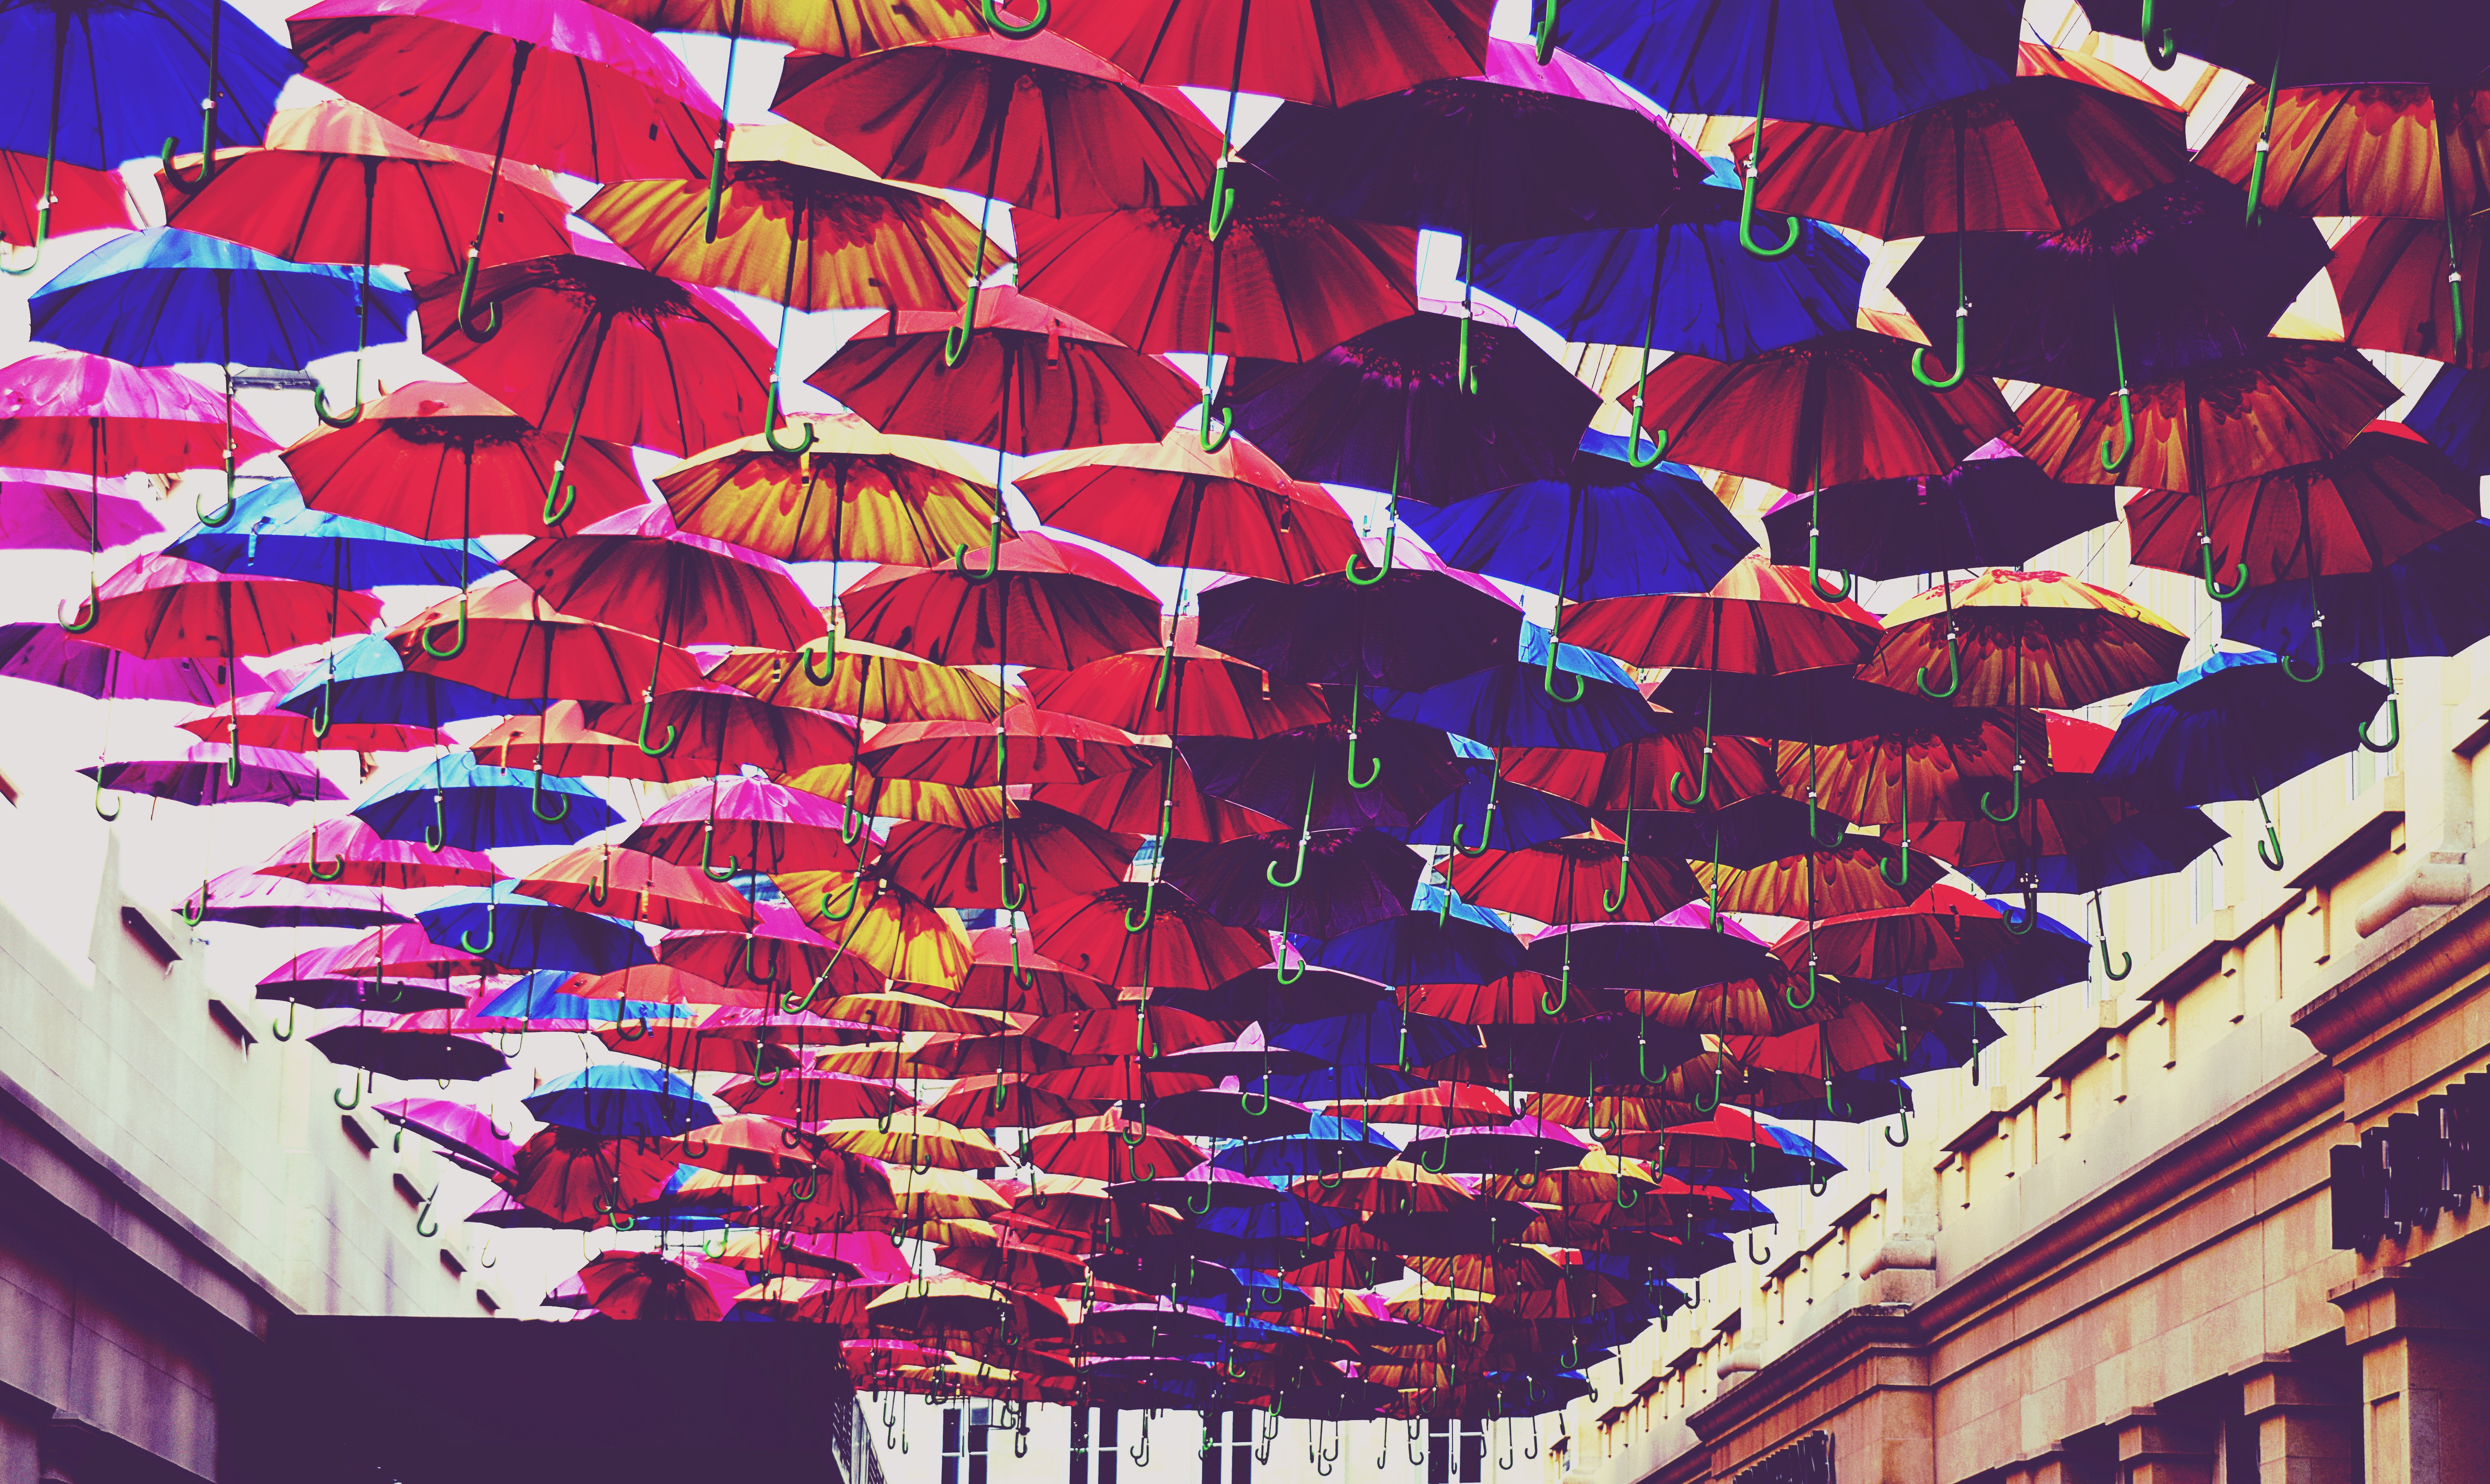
x=1456 y=1451
x=1094 y=1437
x=964 y=1442
x=1230 y=1437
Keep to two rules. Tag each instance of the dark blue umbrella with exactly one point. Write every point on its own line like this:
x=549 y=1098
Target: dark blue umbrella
x=2052 y=957
x=1685 y=284
x=1994 y=509
x=1522 y=817
x=2234 y=728
x=1859 y=64
x=97 y=82
x=1350 y=1081
x=164 y=297
x=1743 y=835
x=2152 y=843
x=522 y=932
x=2433 y=602
x=1467 y=946
x=367 y=682
x=622 y=1101
x=1376 y=1038
x=460 y=802
x=1517 y=704
x=273 y=533
x=1329 y=1146
x=2454 y=413
x=1625 y=530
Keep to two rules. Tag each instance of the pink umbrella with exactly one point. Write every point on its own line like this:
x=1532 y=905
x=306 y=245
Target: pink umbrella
x=752 y=824
x=352 y=855
x=260 y=722
x=269 y=902
x=66 y=409
x=466 y=1135
x=42 y=653
x=40 y=512
x=393 y=955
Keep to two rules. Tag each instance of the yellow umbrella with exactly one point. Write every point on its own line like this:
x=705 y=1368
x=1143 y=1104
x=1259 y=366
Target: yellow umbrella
x=914 y=1143
x=851 y=494
x=865 y=681
x=900 y=936
x=944 y=1195
x=900 y=798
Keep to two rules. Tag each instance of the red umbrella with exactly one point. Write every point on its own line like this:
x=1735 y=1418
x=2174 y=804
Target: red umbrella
x=442 y=461
x=1035 y=380
x=1008 y=974
x=2067 y=135
x=1040 y=602
x=81 y=199
x=510 y=642
x=2289 y=402
x=1282 y=282
x=1142 y=801
x=815 y=1096
x=1174 y=505
x=1951 y=765
x=1944 y=929
x=730 y=728
x=337 y=182
x=560 y=84
x=1828 y=411
x=260 y=722
x=346 y=852
x=635 y=887
x=1640 y=774
x=636 y=571
x=2389 y=278
x=1110 y=1146
x=1040 y=855
x=574 y=1175
x=560 y=741
x=1181 y=947
x=1205 y=695
x=749 y=824
x=648 y=1285
x=772 y=952
x=1759 y=619
x=1028 y=746
x=612 y=350
x=1315 y=51
x=1579 y=878
x=162 y=606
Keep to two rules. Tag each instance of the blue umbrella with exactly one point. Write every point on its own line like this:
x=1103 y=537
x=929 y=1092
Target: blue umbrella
x=1522 y=817
x=1346 y=1081
x=164 y=297
x=1995 y=509
x=1376 y=1038
x=2234 y=728
x=97 y=82
x=619 y=1102
x=367 y=682
x=2049 y=958
x=1469 y=946
x=460 y=802
x=1626 y=530
x=1517 y=704
x=1329 y=1146
x=539 y=995
x=2154 y=842
x=273 y=533
x=2454 y=413
x=1685 y=284
x=1287 y=1216
x=523 y=932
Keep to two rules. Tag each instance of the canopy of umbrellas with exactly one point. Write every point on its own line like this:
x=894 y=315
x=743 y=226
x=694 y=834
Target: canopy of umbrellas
x=1327 y=992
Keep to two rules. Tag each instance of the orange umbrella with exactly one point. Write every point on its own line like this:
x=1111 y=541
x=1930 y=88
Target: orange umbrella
x=852 y=494
x=637 y=887
x=1110 y=1146
x=1820 y=883
x=2024 y=639
x=899 y=798
x=1030 y=746
x=898 y=935
x=1040 y=854
x=747 y=1144
x=1944 y=767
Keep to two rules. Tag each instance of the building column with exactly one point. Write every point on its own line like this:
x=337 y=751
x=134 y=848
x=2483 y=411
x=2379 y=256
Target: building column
x=2307 y=1423
x=2157 y=1447
x=2424 y=1376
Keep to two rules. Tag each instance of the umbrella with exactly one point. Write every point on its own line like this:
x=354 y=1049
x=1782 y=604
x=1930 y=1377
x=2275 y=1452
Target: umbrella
x=1995 y=509
x=1440 y=940
x=271 y=533
x=81 y=199
x=1171 y=504
x=1041 y=854
x=260 y=722
x=1207 y=694
x=639 y=887
x=66 y=409
x=1180 y=945
x=466 y=1135
x=1054 y=748
x=847 y=494
x=2286 y=401
x=1510 y=816
x=1109 y=1147
x=464 y=803
x=1411 y=625
x=214 y=773
x=2038 y=638
x=409 y=1055
x=2388 y=274
x=865 y=681
x=1388 y=409
x=2072 y=846
x=573 y=1174
x=1516 y=704
x=506 y=640
x=441 y=459
x=365 y=683
x=635 y=571
x=618 y=1102
x=747 y=823
x=45 y=655
x=1561 y=880
x=1626 y=530
x=44 y=512
x=648 y=1285
x=162 y=606
x=1348 y=878
x=1327 y=53
x=1038 y=601
x=2234 y=728
x=520 y=932
x=2426 y=604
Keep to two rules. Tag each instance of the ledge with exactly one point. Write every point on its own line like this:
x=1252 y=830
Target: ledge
x=1858 y=1331
x=2085 y=1048
x=2422 y=955
x=2357 y=833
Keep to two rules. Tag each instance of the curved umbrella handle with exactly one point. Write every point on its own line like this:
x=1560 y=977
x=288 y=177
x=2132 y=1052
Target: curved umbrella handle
x=1961 y=329
x=1905 y=1141
x=1390 y=533
x=1816 y=583
x=458 y=639
x=174 y=177
x=2395 y=719
x=1753 y=172
x=770 y=429
x=1547 y=677
x=1564 y=982
x=1486 y=824
x=647 y=714
x=1149 y=907
x=320 y=403
x=439 y=829
x=2317 y=636
x=1954 y=672
x=828 y=671
x=348 y=1104
x=2160 y=43
x=1222 y=204
x=1000 y=27
x=1759 y=1259
x=324 y=712
x=1615 y=902
x=283 y=1030
x=467 y=937
x=2125 y=441
x=855 y=889
x=2273 y=836
x=536 y=797
x=1543 y=37
x=43 y=204
x=88 y=612
x=734 y=863
x=224 y=511
x=1811 y=988
x=2013 y=810
x=994 y=554
x=2022 y=926
x=1901 y=855
x=335 y=868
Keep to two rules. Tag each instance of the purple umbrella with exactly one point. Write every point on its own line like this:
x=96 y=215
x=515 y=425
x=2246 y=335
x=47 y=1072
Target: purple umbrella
x=1391 y=409
x=1351 y=877
x=465 y=1134
x=42 y=653
x=213 y=773
x=255 y=900
x=38 y=511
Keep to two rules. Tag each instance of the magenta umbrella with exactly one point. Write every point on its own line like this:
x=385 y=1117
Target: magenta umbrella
x=272 y=902
x=211 y=772
x=39 y=511
x=466 y=1135
x=66 y=409
x=42 y=653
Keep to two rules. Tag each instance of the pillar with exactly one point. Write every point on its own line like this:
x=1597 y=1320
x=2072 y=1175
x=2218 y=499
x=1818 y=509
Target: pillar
x=2307 y=1423
x=2424 y=1376
x=2157 y=1447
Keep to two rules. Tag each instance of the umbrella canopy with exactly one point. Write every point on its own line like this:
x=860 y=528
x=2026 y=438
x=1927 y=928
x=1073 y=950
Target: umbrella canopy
x=1173 y=504
x=849 y=495
x=2234 y=728
x=1994 y=509
x=162 y=296
x=67 y=409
